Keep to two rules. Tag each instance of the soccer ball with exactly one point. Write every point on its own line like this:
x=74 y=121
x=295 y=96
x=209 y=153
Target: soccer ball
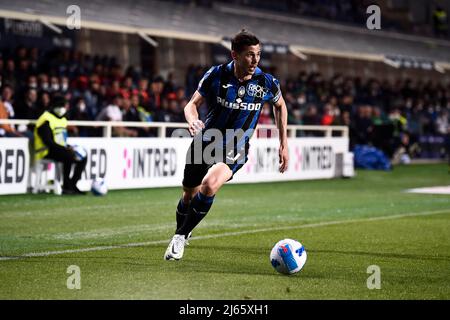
x=98 y=187
x=80 y=152
x=288 y=256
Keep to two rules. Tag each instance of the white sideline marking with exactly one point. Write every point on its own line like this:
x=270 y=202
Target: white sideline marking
x=226 y=234
x=432 y=190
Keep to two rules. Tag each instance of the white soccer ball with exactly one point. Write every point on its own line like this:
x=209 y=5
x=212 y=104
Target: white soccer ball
x=80 y=152
x=98 y=187
x=288 y=256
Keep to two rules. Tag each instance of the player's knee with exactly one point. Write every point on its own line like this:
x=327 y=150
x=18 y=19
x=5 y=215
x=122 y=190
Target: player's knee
x=210 y=185
x=188 y=193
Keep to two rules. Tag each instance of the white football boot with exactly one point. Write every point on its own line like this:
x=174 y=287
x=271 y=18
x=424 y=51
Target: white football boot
x=175 y=249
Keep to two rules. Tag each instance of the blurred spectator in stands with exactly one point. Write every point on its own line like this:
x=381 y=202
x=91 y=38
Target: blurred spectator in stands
x=345 y=120
x=440 y=22
x=414 y=127
x=301 y=101
x=93 y=97
x=32 y=82
x=399 y=124
x=266 y=117
x=80 y=112
x=113 y=90
x=327 y=115
x=54 y=84
x=113 y=111
x=143 y=92
x=128 y=87
x=442 y=123
x=156 y=93
x=28 y=107
x=169 y=84
x=2 y=67
x=43 y=82
x=363 y=125
x=311 y=116
x=22 y=71
x=44 y=101
x=7 y=98
x=295 y=116
x=7 y=112
x=34 y=60
x=428 y=118
x=443 y=130
x=403 y=151
x=190 y=82
x=64 y=82
x=143 y=113
x=130 y=113
x=175 y=112
x=144 y=116
x=379 y=118
x=347 y=103
x=181 y=94
x=9 y=74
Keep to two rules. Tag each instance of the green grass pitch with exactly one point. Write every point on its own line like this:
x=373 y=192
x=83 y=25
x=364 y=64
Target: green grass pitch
x=346 y=225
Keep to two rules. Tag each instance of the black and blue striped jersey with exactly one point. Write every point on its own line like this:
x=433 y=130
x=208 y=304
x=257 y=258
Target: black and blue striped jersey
x=233 y=104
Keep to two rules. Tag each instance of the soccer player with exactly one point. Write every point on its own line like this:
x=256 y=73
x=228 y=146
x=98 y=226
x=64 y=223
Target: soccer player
x=234 y=93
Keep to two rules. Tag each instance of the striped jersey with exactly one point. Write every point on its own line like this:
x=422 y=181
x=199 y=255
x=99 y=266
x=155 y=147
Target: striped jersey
x=233 y=104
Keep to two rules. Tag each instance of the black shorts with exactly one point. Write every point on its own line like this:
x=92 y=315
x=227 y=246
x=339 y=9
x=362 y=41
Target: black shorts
x=198 y=163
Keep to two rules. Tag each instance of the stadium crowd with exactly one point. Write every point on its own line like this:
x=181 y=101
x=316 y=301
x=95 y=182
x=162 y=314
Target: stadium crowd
x=391 y=116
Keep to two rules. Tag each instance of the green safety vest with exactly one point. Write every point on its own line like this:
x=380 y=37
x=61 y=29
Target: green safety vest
x=59 y=130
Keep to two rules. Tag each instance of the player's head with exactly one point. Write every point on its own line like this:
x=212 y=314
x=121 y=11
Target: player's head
x=59 y=105
x=246 y=51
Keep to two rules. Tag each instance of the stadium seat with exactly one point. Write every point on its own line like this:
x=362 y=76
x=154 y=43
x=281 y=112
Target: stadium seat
x=43 y=180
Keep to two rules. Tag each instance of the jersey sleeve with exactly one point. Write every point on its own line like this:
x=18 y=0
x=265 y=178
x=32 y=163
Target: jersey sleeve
x=206 y=82
x=275 y=90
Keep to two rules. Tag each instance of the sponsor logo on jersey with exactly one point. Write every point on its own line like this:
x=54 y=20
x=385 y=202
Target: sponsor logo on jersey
x=241 y=91
x=239 y=105
x=257 y=91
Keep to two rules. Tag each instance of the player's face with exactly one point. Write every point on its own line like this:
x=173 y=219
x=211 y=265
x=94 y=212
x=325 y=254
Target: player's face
x=248 y=59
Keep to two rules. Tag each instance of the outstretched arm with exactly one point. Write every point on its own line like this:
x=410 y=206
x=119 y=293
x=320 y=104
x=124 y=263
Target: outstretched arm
x=191 y=113
x=280 y=112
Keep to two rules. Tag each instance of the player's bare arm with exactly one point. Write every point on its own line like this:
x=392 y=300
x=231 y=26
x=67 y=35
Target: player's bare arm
x=280 y=113
x=191 y=113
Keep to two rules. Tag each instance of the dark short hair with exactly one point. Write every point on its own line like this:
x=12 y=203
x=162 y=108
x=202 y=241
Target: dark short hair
x=57 y=101
x=243 y=39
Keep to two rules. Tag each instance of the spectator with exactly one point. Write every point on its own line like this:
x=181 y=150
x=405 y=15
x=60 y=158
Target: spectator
x=442 y=123
x=43 y=82
x=79 y=112
x=311 y=116
x=7 y=98
x=112 y=112
x=328 y=115
x=440 y=22
x=156 y=93
x=130 y=113
x=7 y=130
x=44 y=101
x=28 y=108
x=363 y=125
